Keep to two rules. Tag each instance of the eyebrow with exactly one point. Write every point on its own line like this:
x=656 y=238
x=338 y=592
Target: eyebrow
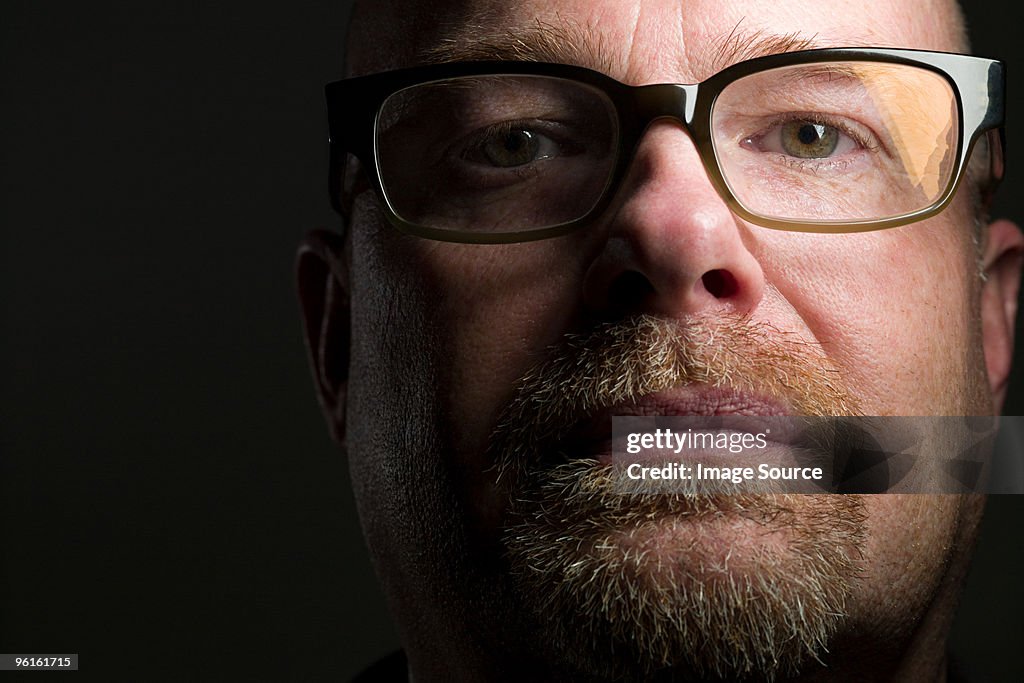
x=741 y=45
x=568 y=42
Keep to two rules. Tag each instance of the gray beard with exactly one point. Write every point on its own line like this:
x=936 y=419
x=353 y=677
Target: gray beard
x=719 y=586
x=660 y=585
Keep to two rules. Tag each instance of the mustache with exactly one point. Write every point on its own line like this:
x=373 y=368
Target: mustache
x=622 y=361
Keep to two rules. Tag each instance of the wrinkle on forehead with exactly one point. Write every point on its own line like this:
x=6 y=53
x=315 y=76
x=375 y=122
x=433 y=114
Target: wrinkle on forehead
x=570 y=43
x=632 y=41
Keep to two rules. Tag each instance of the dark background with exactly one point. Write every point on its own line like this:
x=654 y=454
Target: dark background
x=170 y=505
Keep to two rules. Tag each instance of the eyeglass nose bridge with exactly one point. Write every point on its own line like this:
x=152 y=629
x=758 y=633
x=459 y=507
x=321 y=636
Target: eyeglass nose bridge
x=678 y=102
x=665 y=100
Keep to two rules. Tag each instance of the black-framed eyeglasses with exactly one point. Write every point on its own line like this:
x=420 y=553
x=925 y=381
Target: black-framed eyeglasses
x=833 y=140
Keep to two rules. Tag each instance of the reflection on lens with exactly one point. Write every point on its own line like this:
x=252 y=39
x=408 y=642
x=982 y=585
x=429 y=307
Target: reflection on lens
x=837 y=142
x=495 y=154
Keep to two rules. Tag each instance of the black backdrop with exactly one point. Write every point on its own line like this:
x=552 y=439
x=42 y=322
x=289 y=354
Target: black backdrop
x=170 y=505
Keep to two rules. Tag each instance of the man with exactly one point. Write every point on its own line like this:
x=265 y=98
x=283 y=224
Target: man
x=472 y=383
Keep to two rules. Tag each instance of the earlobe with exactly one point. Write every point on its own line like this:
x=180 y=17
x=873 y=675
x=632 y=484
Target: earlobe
x=1002 y=260
x=323 y=287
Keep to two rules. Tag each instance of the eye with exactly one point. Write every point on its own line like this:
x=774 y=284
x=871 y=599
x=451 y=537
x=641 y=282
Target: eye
x=509 y=145
x=805 y=139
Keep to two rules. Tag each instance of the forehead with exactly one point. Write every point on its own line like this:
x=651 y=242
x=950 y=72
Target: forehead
x=639 y=40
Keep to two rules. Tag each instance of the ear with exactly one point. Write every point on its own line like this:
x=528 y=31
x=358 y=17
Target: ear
x=322 y=272
x=1002 y=259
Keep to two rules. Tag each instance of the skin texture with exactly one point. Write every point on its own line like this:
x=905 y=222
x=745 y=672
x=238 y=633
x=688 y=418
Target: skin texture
x=417 y=345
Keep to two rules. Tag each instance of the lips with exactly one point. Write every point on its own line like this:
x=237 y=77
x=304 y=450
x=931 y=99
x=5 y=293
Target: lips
x=592 y=436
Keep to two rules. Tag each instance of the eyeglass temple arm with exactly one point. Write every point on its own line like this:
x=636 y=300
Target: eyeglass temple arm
x=346 y=128
x=994 y=121
x=991 y=122
x=982 y=85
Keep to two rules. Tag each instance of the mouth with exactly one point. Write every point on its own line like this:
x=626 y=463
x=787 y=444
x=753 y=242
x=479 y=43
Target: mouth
x=716 y=408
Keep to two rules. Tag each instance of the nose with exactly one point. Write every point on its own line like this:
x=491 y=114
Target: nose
x=673 y=247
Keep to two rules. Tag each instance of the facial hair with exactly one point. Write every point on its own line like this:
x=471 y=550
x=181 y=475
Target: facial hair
x=677 y=586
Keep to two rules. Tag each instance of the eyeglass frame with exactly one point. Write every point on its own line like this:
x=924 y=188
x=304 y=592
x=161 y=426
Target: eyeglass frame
x=354 y=105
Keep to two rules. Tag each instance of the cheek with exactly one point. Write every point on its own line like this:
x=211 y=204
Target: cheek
x=893 y=309
x=496 y=308
x=442 y=332
x=911 y=541
x=477 y=315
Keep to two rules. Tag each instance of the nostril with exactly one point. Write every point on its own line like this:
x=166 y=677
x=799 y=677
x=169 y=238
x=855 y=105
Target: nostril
x=720 y=283
x=628 y=289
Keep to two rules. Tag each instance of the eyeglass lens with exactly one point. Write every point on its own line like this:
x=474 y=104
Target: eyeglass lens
x=496 y=153
x=837 y=142
x=815 y=143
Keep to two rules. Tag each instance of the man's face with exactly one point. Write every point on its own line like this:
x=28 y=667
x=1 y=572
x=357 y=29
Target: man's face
x=445 y=339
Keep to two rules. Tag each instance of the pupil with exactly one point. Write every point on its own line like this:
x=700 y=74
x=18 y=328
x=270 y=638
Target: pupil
x=809 y=134
x=516 y=141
